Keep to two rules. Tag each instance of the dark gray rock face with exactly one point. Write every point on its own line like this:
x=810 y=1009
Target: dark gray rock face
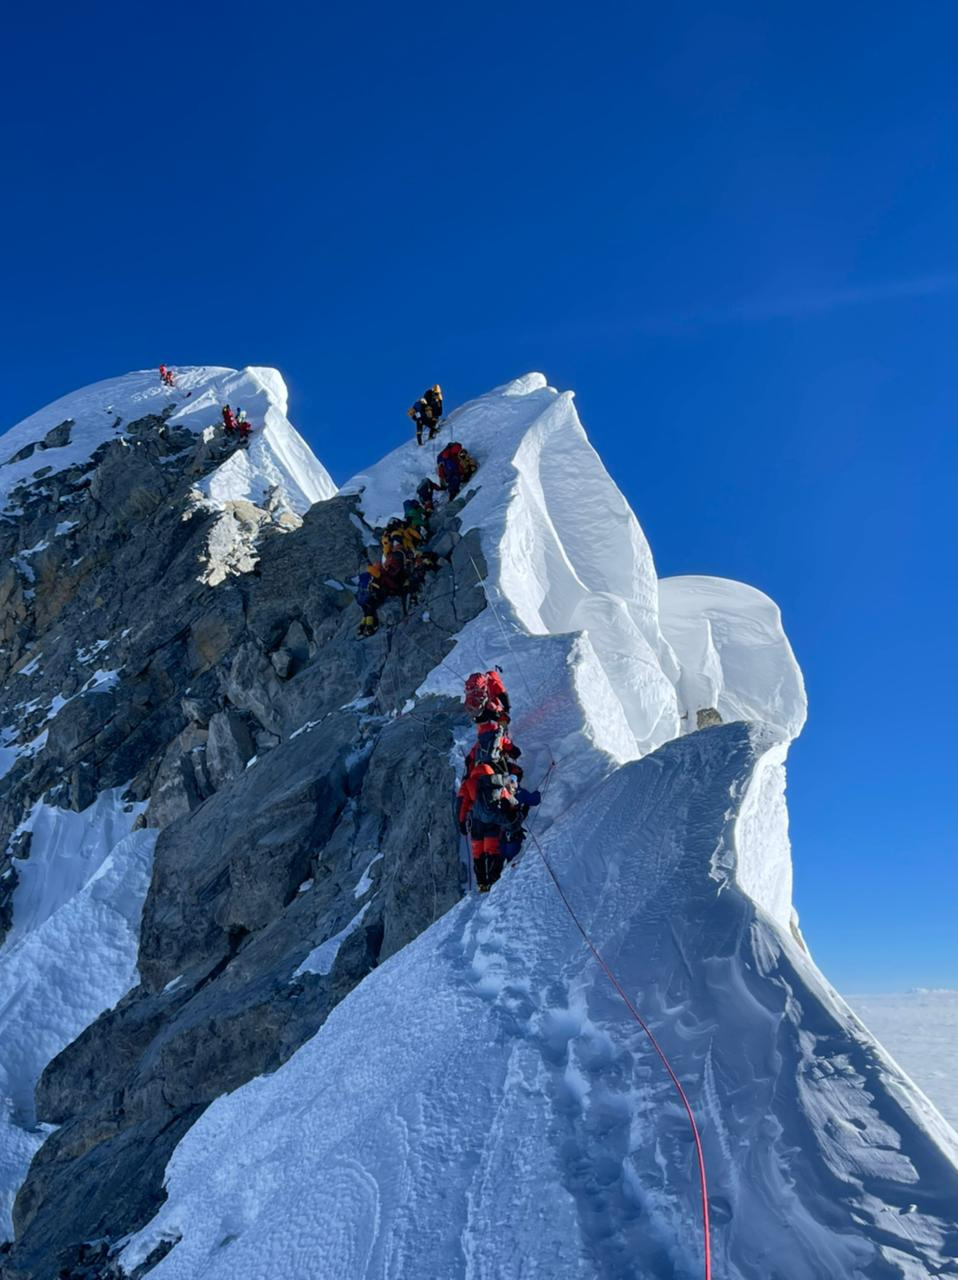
x=291 y=791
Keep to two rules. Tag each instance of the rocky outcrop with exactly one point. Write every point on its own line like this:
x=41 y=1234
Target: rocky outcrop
x=300 y=789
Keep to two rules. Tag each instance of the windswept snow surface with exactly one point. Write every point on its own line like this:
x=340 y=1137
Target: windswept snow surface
x=483 y=1106
x=70 y=953
x=277 y=455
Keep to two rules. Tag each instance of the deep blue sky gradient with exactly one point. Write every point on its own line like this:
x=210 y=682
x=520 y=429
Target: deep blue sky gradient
x=732 y=229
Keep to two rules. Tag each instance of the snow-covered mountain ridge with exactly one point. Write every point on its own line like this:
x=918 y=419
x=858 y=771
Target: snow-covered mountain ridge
x=335 y=1065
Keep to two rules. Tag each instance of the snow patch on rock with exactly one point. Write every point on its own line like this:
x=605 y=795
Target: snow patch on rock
x=277 y=459
x=70 y=954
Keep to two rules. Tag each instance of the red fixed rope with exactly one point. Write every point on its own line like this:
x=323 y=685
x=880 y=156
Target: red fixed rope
x=655 y=1045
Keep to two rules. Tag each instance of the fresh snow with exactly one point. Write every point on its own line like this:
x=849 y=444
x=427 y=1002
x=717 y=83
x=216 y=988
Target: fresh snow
x=70 y=954
x=277 y=457
x=482 y=1105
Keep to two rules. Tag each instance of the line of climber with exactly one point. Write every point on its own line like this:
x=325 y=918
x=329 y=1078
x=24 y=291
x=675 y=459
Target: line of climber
x=406 y=555
x=492 y=803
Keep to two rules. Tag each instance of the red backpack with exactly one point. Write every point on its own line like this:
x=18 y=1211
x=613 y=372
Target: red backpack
x=484 y=690
x=477 y=693
x=452 y=450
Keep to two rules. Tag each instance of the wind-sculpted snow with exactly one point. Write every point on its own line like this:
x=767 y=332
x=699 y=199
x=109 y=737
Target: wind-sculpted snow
x=70 y=954
x=277 y=456
x=732 y=652
x=483 y=1106
x=565 y=554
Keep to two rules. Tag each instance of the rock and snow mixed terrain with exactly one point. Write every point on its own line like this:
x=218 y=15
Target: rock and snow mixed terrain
x=334 y=1065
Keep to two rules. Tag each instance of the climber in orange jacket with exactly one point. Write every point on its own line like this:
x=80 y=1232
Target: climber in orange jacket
x=485 y=807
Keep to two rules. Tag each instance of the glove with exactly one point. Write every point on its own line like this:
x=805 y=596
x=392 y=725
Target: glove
x=529 y=798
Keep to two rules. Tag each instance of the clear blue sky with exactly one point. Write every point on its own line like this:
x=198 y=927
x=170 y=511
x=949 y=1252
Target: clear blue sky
x=731 y=229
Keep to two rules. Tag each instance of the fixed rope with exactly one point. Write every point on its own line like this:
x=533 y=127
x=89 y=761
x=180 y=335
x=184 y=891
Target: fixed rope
x=623 y=995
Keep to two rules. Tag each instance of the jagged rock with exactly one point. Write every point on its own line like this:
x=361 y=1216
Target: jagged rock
x=198 y=709
x=293 y=653
x=58 y=436
x=229 y=747
x=182 y=782
x=706 y=717
x=83 y=788
x=27 y=451
x=231 y=546
x=213 y=634
x=252 y=685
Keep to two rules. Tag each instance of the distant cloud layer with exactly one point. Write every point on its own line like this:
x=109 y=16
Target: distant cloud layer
x=796 y=306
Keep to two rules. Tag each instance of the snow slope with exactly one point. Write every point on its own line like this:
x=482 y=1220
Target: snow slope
x=482 y=1106
x=277 y=455
x=70 y=953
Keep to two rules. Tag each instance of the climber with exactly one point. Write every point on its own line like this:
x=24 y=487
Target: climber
x=409 y=537
x=447 y=468
x=433 y=400
x=424 y=492
x=167 y=376
x=243 y=424
x=485 y=696
x=415 y=514
x=488 y=807
x=369 y=596
x=513 y=836
x=492 y=746
x=455 y=465
x=398 y=572
x=421 y=415
x=229 y=420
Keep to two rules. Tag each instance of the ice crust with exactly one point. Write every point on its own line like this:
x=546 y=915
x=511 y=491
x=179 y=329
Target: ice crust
x=277 y=455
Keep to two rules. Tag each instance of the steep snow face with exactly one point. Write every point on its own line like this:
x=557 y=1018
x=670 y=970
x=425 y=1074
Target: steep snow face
x=483 y=1105
x=70 y=954
x=277 y=457
x=732 y=652
x=566 y=558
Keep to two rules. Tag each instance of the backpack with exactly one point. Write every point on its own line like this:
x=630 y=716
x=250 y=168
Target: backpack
x=489 y=748
x=476 y=696
x=488 y=807
x=484 y=689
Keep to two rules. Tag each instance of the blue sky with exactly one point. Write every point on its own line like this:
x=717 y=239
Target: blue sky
x=730 y=228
